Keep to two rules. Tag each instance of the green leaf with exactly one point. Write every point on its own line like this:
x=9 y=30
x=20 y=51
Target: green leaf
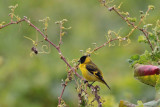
x=146 y=57
x=141 y=59
x=141 y=38
x=135 y=57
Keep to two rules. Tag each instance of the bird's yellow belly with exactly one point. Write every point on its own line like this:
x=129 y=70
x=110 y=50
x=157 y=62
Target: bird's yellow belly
x=86 y=74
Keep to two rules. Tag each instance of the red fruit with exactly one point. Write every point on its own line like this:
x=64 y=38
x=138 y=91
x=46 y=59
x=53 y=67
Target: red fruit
x=147 y=74
x=142 y=70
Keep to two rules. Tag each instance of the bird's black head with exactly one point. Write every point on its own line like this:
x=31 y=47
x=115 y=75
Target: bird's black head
x=82 y=59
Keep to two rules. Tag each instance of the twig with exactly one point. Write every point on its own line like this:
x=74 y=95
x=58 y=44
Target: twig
x=146 y=35
x=95 y=90
x=104 y=44
x=64 y=86
x=12 y=23
x=130 y=23
x=97 y=97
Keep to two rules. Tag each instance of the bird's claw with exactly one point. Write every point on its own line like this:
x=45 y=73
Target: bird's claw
x=89 y=85
x=85 y=81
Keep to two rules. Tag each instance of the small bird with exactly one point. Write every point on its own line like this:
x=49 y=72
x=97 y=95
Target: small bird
x=90 y=71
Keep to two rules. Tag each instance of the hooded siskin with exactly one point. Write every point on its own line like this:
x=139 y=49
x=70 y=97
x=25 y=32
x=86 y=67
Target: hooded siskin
x=90 y=71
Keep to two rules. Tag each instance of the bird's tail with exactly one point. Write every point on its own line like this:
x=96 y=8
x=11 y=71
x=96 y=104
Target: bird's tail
x=106 y=84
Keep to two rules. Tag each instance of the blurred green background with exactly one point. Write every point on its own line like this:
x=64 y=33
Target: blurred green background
x=36 y=81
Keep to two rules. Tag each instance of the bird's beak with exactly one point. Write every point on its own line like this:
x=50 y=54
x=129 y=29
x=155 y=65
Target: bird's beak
x=79 y=61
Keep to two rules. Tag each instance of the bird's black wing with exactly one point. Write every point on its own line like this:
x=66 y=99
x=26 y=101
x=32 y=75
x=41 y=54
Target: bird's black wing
x=92 y=68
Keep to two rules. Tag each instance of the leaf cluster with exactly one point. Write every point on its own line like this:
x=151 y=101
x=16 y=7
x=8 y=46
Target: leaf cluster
x=148 y=57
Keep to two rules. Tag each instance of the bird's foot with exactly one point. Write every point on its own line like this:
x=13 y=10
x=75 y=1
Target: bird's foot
x=85 y=81
x=89 y=85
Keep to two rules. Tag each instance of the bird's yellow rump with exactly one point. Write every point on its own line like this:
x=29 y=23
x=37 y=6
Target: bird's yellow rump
x=90 y=71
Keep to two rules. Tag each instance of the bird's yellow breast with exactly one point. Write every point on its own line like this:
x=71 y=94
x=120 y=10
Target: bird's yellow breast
x=86 y=74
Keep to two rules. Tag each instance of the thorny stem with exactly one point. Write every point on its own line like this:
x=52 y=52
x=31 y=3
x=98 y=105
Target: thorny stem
x=130 y=23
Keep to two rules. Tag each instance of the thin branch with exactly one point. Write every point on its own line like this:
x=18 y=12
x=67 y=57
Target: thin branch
x=97 y=48
x=146 y=35
x=12 y=23
x=95 y=90
x=97 y=97
x=127 y=21
x=64 y=86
